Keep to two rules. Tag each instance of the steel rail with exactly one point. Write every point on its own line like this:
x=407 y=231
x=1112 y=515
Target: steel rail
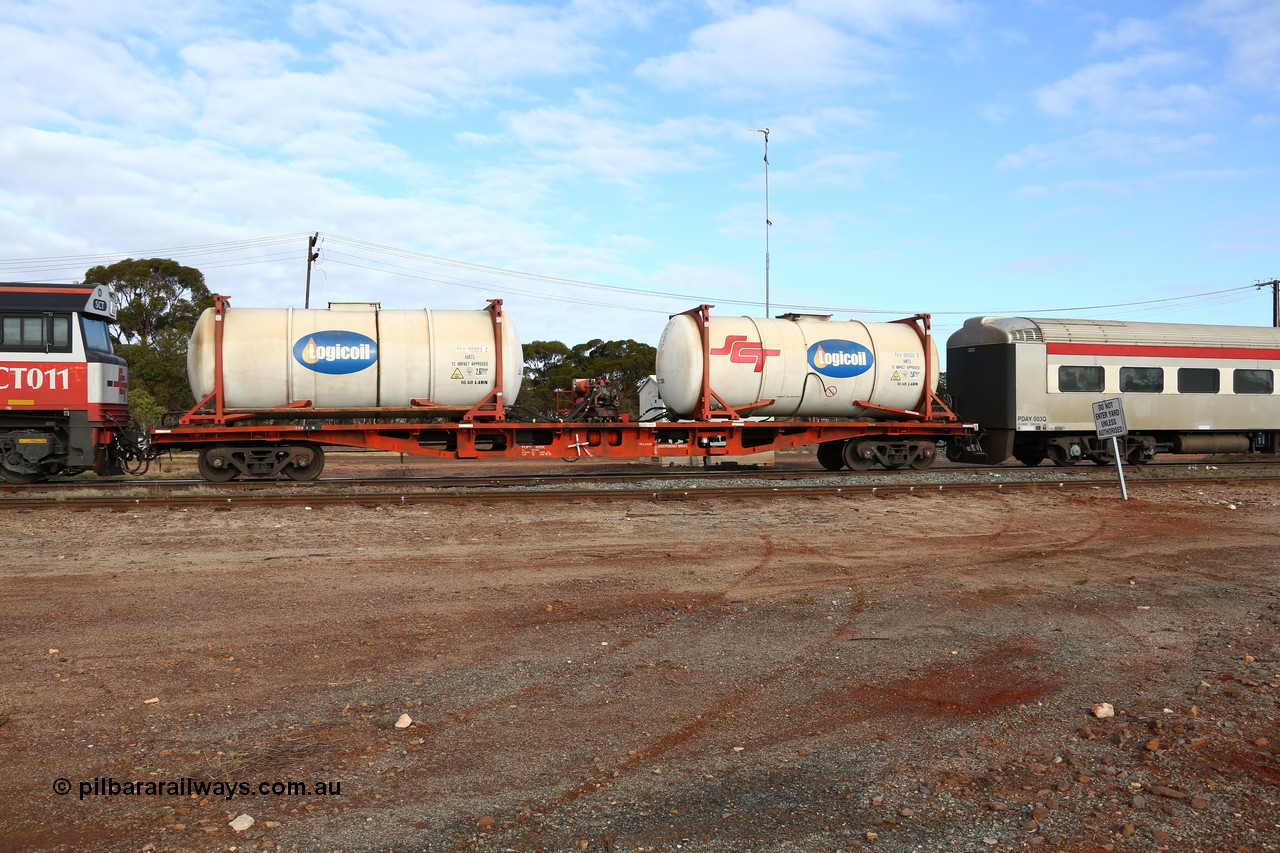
x=676 y=494
x=544 y=478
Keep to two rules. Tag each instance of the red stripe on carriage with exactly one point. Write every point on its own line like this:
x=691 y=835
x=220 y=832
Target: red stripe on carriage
x=1164 y=351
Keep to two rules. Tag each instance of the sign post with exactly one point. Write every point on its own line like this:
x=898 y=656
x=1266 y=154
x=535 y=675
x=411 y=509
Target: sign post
x=1108 y=417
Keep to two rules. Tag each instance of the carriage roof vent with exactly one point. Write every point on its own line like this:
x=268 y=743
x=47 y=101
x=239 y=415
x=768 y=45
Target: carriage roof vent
x=1031 y=334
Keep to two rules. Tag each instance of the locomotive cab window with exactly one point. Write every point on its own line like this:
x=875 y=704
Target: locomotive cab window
x=1142 y=380
x=1080 y=378
x=1198 y=380
x=35 y=332
x=96 y=338
x=1253 y=382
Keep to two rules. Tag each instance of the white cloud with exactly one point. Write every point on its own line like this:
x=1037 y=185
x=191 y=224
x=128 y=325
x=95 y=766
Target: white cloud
x=821 y=123
x=769 y=49
x=461 y=48
x=1046 y=263
x=1119 y=92
x=1107 y=146
x=1252 y=30
x=105 y=84
x=557 y=135
x=1129 y=33
x=845 y=169
x=807 y=45
x=995 y=113
x=617 y=151
x=1161 y=181
x=884 y=17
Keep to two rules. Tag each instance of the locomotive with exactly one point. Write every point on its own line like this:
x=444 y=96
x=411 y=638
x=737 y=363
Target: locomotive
x=63 y=403
x=1186 y=388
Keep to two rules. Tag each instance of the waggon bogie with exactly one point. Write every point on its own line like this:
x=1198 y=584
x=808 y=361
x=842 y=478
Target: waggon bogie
x=862 y=454
x=223 y=462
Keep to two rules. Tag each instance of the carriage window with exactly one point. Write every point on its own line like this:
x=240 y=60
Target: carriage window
x=19 y=332
x=11 y=331
x=36 y=332
x=96 y=338
x=1079 y=378
x=1198 y=380
x=61 y=339
x=1142 y=380
x=1252 y=382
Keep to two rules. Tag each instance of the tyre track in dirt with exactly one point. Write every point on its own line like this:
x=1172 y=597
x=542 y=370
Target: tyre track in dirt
x=601 y=608
x=726 y=627
x=661 y=612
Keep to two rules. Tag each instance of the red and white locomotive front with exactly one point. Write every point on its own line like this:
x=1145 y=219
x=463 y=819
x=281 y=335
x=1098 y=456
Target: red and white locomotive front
x=63 y=391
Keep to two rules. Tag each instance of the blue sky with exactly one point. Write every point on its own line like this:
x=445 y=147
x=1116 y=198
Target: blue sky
x=593 y=163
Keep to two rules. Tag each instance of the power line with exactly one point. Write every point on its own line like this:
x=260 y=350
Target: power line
x=1115 y=304
x=73 y=266
x=463 y=283
x=215 y=256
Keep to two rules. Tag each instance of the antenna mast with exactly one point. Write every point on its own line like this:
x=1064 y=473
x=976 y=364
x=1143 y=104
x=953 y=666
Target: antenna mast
x=767 y=223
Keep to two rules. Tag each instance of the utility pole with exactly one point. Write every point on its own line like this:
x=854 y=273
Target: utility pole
x=767 y=223
x=312 y=254
x=1274 y=284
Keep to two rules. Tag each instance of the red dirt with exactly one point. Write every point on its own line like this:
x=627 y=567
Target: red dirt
x=793 y=674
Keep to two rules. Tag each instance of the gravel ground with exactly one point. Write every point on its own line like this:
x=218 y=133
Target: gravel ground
x=909 y=672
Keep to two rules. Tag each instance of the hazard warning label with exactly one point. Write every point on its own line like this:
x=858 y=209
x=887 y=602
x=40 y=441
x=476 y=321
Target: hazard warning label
x=472 y=368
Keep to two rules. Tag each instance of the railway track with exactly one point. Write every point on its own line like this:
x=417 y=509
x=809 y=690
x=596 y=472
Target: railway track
x=397 y=492
x=58 y=490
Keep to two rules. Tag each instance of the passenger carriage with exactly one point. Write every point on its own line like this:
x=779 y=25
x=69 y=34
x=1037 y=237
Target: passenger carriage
x=1031 y=384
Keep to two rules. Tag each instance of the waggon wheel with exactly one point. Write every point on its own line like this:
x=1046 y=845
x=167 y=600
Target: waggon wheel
x=214 y=466
x=1137 y=457
x=310 y=471
x=859 y=455
x=1058 y=456
x=925 y=458
x=19 y=478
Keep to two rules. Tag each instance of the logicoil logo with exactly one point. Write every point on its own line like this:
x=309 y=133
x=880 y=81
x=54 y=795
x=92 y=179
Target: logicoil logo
x=840 y=359
x=335 y=352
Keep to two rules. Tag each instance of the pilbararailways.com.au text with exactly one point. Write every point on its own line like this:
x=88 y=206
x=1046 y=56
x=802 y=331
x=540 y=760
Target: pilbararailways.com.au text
x=106 y=786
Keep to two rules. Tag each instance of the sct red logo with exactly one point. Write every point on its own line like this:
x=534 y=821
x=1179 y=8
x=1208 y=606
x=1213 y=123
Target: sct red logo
x=742 y=351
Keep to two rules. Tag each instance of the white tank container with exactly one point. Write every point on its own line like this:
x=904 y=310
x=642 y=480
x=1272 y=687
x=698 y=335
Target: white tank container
x=809 y=366
x=354 y=358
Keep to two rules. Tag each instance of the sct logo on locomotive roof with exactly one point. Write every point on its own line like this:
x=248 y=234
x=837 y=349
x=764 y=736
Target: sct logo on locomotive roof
x=336 y=352
x=840 y=359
